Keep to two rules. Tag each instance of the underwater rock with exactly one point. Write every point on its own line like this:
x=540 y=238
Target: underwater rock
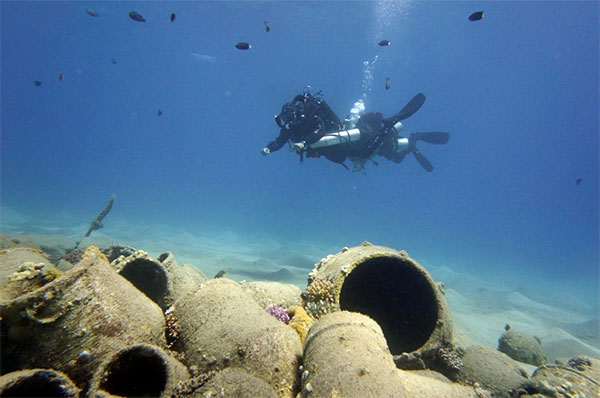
x=281 y=275
x=235 y=382
x=141 y=370
x=56 y=245
x=37 y=383
x=346 y=355
x=184 y=279
x=222 y=326
x=12 y=259
x=395 y=291
x=112 y=252
x=580 y=377
x=491 y=369
x=448 y=359
x=28 y=277
x=74 y=322
x=522 y=347
x=427 y=384
x=74 y=256
x=267 y=293
x=9 y=242
x=162 y=279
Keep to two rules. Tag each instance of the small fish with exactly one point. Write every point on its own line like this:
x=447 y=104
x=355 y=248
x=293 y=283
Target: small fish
x=37 y=83
x=578 y=181
x=172 y=17
x=92 y=12
x=267 y=26
x=220 y=273
x=113 y=60
x=243 y=46
x=476 y=16
x=61 y=77
x=159 y=112
x=384 y=43
x=387 y=83
x=136 y=17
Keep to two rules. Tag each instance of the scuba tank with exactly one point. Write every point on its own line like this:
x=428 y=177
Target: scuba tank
x=329 y=139
x=336 y=138
x=401 y=143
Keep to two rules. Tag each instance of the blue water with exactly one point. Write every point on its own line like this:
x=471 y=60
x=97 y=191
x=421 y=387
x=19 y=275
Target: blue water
x=517 y=91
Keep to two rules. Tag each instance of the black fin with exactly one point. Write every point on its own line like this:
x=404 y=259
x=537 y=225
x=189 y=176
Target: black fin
x=434 y=137
x=423 y=161
x=409 y=109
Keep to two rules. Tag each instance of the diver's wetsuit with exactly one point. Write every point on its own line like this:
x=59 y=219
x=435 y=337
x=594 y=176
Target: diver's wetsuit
x=389 y=148
x=307 y=118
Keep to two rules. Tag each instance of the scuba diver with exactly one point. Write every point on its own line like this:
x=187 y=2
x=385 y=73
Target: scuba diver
x=313 y=130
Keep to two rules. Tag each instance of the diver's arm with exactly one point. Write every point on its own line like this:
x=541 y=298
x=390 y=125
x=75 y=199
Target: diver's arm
x=278 y=142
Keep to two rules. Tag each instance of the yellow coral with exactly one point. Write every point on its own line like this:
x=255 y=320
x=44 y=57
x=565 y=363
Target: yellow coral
x=320 y=289
x=94 y=252
x=300 y=321
x=29 y=277
x=52 y=274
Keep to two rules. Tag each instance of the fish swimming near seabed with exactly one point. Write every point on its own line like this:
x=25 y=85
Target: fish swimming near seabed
x=204 y=58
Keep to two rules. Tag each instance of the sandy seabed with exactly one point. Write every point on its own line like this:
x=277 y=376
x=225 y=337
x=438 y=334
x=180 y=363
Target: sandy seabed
x=567 y=325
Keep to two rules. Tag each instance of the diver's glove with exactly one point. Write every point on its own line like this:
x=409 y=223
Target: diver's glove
x=265 y=151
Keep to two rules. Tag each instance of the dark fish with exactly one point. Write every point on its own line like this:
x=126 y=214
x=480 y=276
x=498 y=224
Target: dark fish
x=267 y=26
x=37 y=83
x=159 y=112
x=172 y=17
x=387 y=83
x=476 y=16
x=136 y=17
x=92 y=12
x=243 y=46
x=113 y=60
x=578 y=181
x=384 y=43
x=220 y=273
x=61 y=77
